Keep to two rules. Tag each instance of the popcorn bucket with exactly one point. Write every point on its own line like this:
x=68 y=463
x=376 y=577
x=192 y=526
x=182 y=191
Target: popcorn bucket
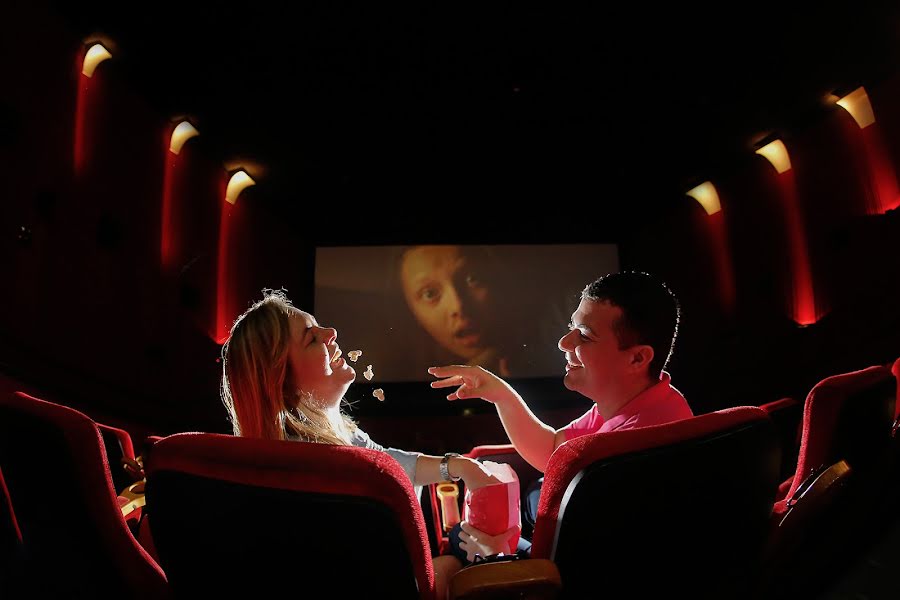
x=495 y=508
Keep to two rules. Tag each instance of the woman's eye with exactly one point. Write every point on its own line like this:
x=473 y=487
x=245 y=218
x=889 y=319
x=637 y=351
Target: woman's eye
x=429 y=294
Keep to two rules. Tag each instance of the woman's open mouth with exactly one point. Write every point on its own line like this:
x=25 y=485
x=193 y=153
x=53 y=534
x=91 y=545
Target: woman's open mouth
x=468 y=336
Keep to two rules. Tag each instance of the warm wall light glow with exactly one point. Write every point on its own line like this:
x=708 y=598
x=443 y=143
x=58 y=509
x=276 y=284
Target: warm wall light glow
x=182 y=134
x=776 y=154
x=95 y=55
x=706 y=195
x=857 y=104
x=237 y=184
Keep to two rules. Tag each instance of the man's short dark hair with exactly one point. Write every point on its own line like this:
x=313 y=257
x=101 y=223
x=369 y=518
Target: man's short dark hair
x=650 y=313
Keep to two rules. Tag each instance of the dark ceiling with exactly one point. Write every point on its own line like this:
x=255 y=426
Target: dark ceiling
x=493 y=101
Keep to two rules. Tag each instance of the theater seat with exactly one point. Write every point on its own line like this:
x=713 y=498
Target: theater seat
x=118 y=445
x=787 y=416
x=831 y=503
x=236 y=514
x=10 y=538
x=846 y=417
x=75 y=541
x=674 y=510
x=895 y=369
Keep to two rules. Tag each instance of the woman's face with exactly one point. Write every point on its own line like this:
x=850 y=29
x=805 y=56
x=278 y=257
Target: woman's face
x=315 y=360
x=448 y=297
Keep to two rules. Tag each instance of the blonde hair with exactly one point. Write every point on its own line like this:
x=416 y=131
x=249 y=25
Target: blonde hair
x=258 y=388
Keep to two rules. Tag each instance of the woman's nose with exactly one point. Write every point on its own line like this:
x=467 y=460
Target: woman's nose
x=452 y=301
x=329 y=334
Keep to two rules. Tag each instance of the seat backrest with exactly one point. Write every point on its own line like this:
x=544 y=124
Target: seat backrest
x=10 y=537
x=846 y=417
x=895 y=369
x=786 y=415
x=75 y=540
x=673 y=510
x=271 y=517
x=118 y=445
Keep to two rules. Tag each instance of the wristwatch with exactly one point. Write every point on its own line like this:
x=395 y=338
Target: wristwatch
x=445 y=468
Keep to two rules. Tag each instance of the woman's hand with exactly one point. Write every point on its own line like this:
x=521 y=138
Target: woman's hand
x=472 y=472
x=475 y=542
x=473 y=382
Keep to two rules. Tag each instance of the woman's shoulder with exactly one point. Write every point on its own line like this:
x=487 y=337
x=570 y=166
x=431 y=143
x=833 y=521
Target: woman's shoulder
x=361 y=439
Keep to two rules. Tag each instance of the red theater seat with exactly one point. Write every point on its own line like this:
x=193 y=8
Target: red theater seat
x=787 y=415
x=279 y=518
x=75 y=541
x=842 y=467
x=118 y=446
x=895 y=369
x=10 y=538
x=845 y=417
x=675 y=510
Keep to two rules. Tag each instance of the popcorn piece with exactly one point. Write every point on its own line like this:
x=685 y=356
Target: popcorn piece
x=379 y=393
x=369 y=374
x=354 y=355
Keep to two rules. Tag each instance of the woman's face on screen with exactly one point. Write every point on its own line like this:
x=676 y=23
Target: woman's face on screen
x=448 y=296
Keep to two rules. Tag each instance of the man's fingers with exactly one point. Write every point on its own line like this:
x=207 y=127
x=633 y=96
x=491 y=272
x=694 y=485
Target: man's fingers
x=449 y=382
x=447 y=371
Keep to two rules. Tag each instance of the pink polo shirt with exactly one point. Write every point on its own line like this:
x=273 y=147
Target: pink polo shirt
x=658 y=404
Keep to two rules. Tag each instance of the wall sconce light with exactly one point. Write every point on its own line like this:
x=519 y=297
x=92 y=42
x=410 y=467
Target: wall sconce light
x=857 y=104
x=182 y=133
x=95 y=55
x=238 y=182
x=776 y=153
x=707 y=196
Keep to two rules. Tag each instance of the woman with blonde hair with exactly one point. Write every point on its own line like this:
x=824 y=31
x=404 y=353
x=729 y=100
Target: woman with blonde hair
x=284 y=378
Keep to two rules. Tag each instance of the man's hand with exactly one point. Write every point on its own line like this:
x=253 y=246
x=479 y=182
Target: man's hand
x=473 y=382
x=475 y=542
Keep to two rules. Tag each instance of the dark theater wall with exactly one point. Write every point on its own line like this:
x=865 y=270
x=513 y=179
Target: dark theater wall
x=89 y=315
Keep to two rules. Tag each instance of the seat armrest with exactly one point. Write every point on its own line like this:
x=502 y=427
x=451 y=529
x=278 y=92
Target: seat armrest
x=533 y=578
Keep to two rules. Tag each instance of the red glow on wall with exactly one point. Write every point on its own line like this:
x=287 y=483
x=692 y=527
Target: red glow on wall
x=886 y=195
x=722 y=256
x=167 y=236
x=81 y=104
x=803 y=301
x=223 y=314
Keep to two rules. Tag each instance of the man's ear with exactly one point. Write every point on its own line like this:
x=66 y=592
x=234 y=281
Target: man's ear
x=641 y=357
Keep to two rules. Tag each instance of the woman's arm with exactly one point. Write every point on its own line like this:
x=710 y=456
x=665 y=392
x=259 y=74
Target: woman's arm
x=469 y=470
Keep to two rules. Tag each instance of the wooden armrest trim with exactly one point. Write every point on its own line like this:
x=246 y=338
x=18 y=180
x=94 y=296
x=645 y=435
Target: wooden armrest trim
x=535 y=577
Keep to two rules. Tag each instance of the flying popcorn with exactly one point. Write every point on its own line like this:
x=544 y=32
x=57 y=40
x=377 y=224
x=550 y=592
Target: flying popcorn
x=379 y=393
x=369 y=374
x=354 y=355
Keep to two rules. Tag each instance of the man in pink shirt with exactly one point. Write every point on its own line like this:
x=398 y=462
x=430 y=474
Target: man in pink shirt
x=619 y=341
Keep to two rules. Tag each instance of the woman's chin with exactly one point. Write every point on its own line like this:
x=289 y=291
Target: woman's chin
x=479 y=356
x=347 y=374
x=342 y=370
